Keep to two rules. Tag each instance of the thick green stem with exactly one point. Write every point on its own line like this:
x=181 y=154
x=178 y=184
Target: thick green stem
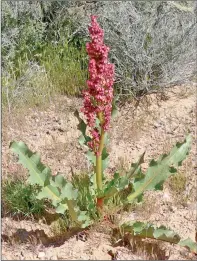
x=99 y=162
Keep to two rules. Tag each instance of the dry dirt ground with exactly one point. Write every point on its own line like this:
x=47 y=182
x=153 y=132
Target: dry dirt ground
x=153 y=124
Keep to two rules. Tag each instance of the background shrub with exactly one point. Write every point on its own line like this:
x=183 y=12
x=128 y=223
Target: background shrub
x=43 y=46
x=41 y=55
x=152 y=42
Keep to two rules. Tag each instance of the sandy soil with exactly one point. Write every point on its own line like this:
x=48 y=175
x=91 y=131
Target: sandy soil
x=153 y=124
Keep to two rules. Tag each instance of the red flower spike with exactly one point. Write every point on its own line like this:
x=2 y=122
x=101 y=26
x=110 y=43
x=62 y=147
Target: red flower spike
x=99 y=95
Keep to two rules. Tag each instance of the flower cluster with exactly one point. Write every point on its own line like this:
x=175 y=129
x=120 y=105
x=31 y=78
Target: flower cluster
x=99 y=95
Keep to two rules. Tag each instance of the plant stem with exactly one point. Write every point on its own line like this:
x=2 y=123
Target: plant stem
x=99 y=162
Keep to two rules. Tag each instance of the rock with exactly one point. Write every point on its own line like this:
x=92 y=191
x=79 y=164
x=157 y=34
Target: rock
x=41 y=254
x=167 y=196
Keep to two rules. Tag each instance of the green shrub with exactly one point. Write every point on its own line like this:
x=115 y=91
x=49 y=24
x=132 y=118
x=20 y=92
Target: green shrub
x=41 y=55
x=20 y=198
x=66 y=67
x=56 y=68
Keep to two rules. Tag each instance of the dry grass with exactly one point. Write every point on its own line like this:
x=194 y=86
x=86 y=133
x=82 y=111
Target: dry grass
x=59 y=226
x=177 y=183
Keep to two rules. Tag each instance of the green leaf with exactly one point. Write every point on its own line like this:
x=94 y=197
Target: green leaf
x=69 y=196
x=146 y=230
x=69 y=192
x=123 y=182
x=105 y=159
x=160 y=170
x=139 y=175
x=119 y=183
x=62 y=208
x=58 y=181
x=82 y=126
x=51 y=193
x=61 y=193
x=84 y=219
x=80 y=217
x=82 y=140
x=188 y=243
x=110 y=187
x=115 y=185
x=135 y=167
x=91 y=157
x=165 y=234
x=86 y=223
x=73 y=209
x=106 y=139
x=93 y=185
x=39 y=174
